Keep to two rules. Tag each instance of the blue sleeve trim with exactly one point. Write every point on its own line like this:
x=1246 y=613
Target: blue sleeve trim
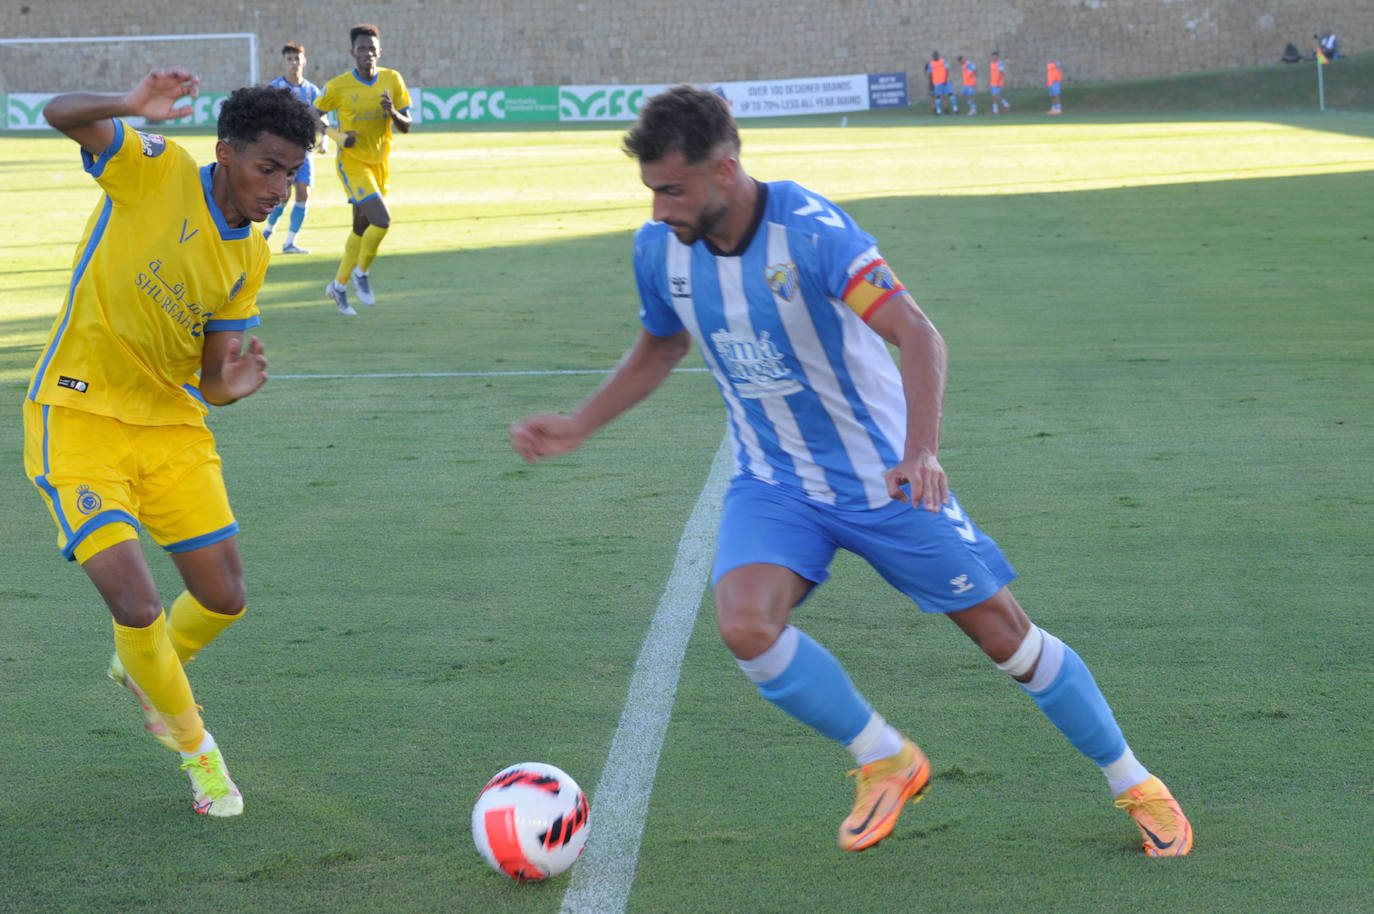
x=95 y=165
x=232 y=326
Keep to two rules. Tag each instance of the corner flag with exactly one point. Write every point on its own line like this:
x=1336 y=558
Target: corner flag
x=1322 y=61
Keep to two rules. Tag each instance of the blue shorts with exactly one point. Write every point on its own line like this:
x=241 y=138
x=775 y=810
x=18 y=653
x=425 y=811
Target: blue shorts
x=1054 y=87
x=942 y=89
x=970 y=91
x=942 y=561
x=306 y=174
x=995 y=90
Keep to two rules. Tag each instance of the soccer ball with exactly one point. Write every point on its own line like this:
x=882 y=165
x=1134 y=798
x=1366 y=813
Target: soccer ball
x=530 y=821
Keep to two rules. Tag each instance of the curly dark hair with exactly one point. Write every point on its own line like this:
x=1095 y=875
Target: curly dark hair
x=250 y=112
x=366 y=28
x=692 y=121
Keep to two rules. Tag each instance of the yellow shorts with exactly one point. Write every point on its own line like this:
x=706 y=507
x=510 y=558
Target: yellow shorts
x=362 y=180
x=102 y=479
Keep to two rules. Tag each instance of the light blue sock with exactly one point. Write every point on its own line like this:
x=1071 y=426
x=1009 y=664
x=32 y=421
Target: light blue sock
x=276 y=214
x=1074 y=703
x=297 y=217
x=815 y=689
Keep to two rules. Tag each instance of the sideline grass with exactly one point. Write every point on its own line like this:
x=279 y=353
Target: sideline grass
x=1348 y=83
x=1161 y=371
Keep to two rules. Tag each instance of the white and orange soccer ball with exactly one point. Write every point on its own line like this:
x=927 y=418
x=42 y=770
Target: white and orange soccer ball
x=530 y=821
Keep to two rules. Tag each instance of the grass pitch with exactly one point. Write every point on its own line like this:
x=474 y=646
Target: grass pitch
x=1161 y=374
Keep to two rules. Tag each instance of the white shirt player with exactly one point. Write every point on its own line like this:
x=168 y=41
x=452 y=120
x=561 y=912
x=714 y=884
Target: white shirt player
x=815 y=401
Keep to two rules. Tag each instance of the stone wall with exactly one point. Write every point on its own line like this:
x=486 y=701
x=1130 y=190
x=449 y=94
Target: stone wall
x=438 y=43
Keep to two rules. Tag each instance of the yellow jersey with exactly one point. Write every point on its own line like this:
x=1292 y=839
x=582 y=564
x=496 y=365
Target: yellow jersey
x=359 y=105
x=157 y=268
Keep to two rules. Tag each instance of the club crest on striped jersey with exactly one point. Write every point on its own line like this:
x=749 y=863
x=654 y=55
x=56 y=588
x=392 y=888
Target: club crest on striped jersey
x=754 y=365
x=782 y=279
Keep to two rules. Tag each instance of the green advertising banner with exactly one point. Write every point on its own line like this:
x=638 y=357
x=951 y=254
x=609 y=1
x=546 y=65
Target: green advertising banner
x=604 y=103
x=24 y=111
x=503 y=104
x=488 y=104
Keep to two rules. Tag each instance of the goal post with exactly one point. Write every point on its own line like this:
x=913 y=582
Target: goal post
x=33 y=70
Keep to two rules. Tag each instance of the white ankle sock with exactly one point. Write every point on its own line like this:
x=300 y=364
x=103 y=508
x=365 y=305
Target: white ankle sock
x=877 y=740
x=1124 y=773
x=206 y=744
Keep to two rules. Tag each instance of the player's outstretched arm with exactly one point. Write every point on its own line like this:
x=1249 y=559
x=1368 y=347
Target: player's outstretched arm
x=642 y=369
x=230 y=371
x=87 y=117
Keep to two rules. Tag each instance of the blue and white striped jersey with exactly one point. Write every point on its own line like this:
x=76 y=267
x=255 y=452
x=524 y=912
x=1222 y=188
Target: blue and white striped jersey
x=815 y=401
x=306 y=91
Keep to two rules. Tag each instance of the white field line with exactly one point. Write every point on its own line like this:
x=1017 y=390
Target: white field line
x=601 y=880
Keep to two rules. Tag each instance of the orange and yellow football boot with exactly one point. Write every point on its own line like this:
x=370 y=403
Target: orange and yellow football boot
x=1166 y=830
x=883 y=788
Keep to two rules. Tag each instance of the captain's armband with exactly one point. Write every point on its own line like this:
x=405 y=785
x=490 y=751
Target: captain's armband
x=870 y=287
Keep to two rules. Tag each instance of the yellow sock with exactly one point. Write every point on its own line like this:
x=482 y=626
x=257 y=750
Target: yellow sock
x=372 y=239
x=151 y=662
x=192 y=626
x=350 y=258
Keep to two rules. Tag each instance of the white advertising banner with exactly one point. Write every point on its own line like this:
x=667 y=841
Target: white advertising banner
x=779 y=97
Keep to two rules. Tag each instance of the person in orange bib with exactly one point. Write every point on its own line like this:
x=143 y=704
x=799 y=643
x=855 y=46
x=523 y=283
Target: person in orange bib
x=938 y=71
x=1053 y=78
x=969 y=69
x=997 y=79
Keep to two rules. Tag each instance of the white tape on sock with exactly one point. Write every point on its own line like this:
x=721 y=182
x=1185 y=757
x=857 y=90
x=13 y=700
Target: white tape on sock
x=1023 y=660
x=771 y=663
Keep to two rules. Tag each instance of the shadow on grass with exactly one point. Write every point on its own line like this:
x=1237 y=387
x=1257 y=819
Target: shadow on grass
x=1154 y=247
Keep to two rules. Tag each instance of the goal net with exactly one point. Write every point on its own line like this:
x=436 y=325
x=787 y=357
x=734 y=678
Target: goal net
x=32 y=70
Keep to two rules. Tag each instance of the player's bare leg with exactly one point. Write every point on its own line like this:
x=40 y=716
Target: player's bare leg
x=1064 y=689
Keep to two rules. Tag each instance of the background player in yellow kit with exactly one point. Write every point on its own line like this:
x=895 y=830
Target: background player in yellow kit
x=370 y=100
x=165 y=282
